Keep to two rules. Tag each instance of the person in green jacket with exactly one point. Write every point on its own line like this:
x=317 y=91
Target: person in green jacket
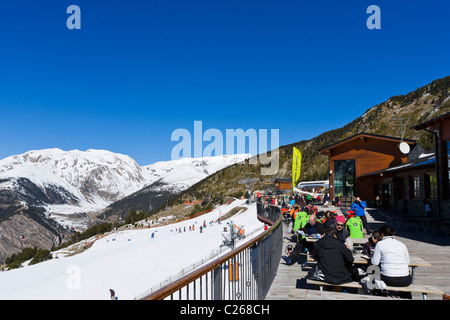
x=301 y=221
x=298 y=220
x=354 y=225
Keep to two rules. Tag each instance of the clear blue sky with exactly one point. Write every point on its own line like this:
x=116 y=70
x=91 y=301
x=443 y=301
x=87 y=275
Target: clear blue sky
x=138 y=70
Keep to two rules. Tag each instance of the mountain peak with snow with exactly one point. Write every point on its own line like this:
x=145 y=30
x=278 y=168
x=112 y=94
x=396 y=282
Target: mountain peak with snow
x=78 y=182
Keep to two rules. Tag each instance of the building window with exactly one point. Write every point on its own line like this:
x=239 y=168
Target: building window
x=400 y=187
x=344 y=177
x=414 y=187
x=431 y=185
x=448 y=187
x=448 y=169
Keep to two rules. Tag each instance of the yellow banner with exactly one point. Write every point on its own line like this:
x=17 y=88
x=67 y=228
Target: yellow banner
x=296 y=166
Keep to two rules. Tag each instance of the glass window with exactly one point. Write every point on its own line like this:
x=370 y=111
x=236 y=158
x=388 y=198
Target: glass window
x=344 y=177
x=414 y=187
x=448 y=153
x=400 y=187
x=448 y=188
x=448 y=169
x=432 y=186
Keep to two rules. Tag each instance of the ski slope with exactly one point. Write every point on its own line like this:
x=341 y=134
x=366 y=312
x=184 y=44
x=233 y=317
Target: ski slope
x=129 y=262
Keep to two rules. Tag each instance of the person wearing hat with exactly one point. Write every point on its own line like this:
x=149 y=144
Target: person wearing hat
x=342 y=233
x=354 y=226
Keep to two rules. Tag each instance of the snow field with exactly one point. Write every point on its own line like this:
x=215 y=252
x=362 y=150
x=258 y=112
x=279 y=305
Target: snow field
x=129 y=262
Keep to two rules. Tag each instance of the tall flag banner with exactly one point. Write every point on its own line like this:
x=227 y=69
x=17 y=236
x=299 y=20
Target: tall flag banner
x=296 y=166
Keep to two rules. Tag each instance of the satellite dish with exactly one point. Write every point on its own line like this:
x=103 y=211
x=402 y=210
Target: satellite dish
x=404 y=147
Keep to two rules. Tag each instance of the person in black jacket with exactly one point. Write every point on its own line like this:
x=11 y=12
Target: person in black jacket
x=333 y=258
x=311 y=228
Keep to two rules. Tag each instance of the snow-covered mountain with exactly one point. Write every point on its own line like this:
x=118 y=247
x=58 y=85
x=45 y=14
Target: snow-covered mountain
x=83 y=179
x=66 y=183
x=183 y=173
x=168 y=179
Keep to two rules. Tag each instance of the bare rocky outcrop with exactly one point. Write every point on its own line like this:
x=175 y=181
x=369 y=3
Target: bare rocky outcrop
x=35 y=229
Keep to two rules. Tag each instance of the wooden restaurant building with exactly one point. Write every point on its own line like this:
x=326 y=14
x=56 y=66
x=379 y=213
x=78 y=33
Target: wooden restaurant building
x=398 y=173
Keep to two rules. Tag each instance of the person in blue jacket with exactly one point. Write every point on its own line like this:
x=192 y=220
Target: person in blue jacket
x=359 y=207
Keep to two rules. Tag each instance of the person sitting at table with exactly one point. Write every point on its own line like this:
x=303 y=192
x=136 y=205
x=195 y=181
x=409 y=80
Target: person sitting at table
x=293 y=212
x=393 y=258
x=334 y=259
x=342 y=233
x=321 y=217
x=369 y=246
x=300 y=220
x=311 y=228
x=354 y=226
x=329 y=219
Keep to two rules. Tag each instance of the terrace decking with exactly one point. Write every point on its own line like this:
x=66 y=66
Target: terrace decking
x=290 y=282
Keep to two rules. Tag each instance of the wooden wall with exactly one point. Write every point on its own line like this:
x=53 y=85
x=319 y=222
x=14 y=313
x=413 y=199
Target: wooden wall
x=283 y=185
x=370 y=154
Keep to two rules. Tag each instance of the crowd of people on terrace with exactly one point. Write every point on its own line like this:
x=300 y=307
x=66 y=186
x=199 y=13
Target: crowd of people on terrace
x=333 y=250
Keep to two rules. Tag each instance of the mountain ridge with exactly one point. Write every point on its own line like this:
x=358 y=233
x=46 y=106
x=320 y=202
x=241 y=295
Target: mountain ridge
x=60 y=190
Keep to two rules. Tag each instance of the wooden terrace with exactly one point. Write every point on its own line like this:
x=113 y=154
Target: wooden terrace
x=431 y=250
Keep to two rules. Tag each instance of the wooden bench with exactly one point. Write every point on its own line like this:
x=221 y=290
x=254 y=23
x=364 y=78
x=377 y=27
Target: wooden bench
x=417 y=288
x=413 y=264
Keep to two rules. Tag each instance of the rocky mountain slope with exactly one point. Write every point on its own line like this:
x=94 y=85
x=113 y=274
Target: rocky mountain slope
x=176 y=176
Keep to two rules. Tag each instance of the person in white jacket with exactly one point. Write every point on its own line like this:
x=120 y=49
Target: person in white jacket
x=393 y=258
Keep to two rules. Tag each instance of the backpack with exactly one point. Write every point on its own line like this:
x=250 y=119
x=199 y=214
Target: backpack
x=315 y=274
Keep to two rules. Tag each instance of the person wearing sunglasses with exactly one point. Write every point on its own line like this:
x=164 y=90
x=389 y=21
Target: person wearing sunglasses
x=342 y=233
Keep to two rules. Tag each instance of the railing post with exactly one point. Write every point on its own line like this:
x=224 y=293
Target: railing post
x=217 y=283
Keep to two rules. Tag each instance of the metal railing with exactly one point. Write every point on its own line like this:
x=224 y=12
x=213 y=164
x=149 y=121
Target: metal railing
x=245 y=273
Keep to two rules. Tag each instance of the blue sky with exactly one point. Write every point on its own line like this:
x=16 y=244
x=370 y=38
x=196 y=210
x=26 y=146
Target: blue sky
x=138 y=70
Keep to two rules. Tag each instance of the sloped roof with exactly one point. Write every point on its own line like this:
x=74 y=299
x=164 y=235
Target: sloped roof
x=283 y=179
x=363 y=135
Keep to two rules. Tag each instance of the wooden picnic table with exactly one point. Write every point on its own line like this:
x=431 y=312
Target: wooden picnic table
x=414 y=262
x=360 y=242
x=357 y=241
